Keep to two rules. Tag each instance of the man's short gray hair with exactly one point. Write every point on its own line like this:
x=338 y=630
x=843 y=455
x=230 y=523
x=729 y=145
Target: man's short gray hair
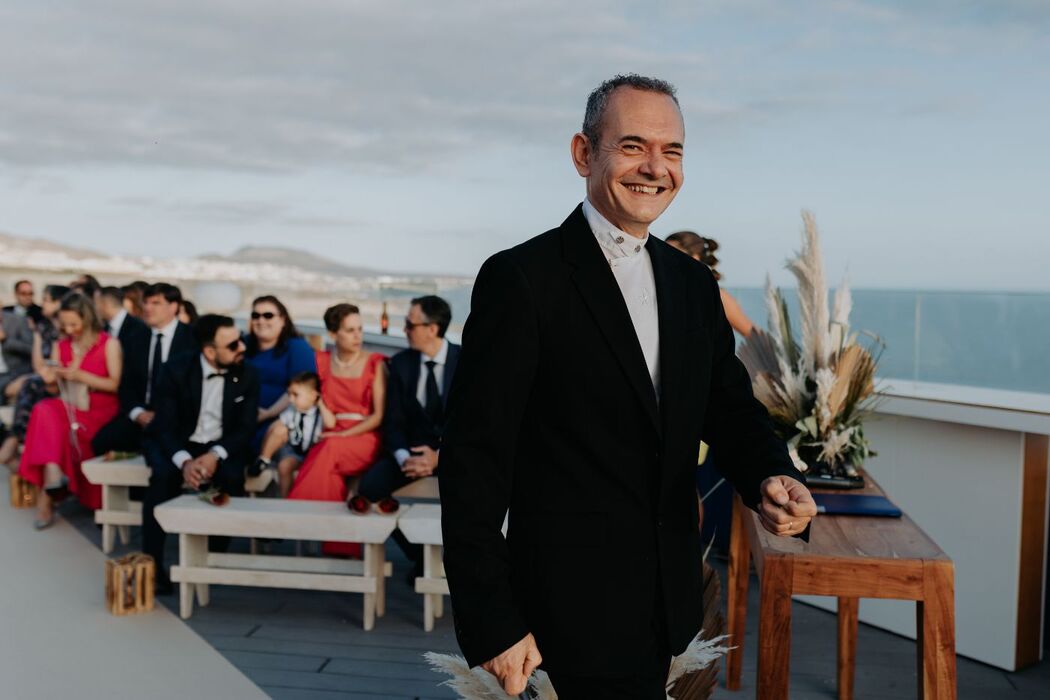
x=599 y=98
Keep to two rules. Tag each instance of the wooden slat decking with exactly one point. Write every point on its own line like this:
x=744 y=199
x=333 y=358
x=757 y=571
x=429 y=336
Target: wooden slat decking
x=310 y=645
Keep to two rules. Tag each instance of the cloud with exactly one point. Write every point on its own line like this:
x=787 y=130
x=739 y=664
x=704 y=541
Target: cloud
x=236 y=212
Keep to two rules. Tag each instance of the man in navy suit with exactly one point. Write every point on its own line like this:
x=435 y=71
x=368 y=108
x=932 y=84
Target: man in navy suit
x=416 y=396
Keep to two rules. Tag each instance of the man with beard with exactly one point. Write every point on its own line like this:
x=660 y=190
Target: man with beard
x=206 y=409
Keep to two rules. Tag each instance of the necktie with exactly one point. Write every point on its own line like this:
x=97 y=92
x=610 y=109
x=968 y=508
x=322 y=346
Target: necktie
x=433 y=398
x=154 y=367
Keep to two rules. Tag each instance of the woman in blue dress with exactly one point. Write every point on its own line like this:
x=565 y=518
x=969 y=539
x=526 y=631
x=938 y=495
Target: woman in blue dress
x=277 y=352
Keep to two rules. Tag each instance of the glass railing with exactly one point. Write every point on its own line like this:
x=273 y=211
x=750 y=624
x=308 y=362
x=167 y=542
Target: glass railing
x=998 y=340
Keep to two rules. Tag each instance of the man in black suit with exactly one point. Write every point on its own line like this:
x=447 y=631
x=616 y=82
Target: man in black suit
x=24 y=305
x=416 y=396
x=147 y=347
x=116 y=319
x=595 y=359
x=207 y=406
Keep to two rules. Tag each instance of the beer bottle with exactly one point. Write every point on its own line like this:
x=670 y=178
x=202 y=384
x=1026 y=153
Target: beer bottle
x=384 y=321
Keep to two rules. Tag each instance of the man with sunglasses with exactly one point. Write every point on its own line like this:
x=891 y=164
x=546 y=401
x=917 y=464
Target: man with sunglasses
x=145 y=353
x=595 y=359
x=206 y=407
x=416 y=397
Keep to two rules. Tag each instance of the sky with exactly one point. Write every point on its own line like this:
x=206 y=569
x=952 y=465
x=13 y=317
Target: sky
x=424 y=136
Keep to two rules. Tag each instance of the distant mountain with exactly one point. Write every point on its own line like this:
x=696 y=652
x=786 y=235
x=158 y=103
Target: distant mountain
x=12 y=243
x=292 y=257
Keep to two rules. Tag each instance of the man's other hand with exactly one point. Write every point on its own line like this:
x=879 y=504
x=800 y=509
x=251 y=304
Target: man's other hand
x=513 y=667
x=787 y=506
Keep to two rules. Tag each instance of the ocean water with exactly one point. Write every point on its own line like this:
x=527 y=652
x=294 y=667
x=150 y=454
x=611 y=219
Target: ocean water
x=998 y=340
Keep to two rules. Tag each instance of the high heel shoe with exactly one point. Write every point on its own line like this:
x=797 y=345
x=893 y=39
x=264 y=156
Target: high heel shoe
x=39 y=525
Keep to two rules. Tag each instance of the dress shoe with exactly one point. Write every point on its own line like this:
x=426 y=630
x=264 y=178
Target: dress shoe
x=162 y=584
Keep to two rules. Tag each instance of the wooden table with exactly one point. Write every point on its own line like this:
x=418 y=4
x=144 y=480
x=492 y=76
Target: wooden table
x=849 y=557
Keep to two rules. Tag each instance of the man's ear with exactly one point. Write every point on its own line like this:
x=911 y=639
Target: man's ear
x=581 y=154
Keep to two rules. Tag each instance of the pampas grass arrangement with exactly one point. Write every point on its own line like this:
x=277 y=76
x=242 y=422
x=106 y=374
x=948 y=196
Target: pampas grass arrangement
x=818 y=392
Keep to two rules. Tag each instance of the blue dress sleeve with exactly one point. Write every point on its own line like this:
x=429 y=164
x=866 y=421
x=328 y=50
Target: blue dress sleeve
x=301 y=356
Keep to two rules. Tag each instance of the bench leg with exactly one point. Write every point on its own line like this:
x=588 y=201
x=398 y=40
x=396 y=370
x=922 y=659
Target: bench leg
x=774 y=627
x=369 y=611
x=125 y=534
x=935 y=632
x=380 y=574
x=193 y=551
x=736 y=601
x=847 y=657
x=428 y=598
x=107 y=538
x=203 y=595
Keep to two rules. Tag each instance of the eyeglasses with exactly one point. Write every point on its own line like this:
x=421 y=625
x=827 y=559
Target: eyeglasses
x=359 y=505
x=268 y=315
x=410 y=326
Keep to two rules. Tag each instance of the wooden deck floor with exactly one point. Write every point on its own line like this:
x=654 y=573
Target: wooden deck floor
x=310 y=645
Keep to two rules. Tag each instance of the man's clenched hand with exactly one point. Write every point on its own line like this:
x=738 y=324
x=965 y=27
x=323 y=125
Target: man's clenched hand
x=514 y=666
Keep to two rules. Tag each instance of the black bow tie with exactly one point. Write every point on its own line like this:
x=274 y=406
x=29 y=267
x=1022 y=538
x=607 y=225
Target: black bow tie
x=213 y=375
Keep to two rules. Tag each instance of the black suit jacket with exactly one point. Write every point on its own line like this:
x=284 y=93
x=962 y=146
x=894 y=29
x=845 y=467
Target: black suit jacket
x=554 y=416
x=133 y=381
x=178 y=405
x=130 y=329
x=405 y=424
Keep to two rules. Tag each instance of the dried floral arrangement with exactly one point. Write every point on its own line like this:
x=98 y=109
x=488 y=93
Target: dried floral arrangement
x=820 y=391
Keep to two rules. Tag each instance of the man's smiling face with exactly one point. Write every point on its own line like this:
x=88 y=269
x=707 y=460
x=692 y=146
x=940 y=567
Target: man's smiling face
x=635 y=170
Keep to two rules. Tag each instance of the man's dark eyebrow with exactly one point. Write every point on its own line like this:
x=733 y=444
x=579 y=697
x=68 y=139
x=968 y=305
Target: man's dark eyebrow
x=639 y=139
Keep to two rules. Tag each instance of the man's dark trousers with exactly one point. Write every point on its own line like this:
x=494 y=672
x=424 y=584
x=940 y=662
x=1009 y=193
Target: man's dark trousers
x=166 y=483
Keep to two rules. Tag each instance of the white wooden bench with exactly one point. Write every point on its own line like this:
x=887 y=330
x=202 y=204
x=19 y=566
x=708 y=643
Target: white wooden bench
x=421 y=524
x=119 y=512
x=194 y=521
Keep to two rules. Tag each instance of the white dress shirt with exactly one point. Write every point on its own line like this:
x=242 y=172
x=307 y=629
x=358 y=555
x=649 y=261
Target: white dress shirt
x=401 y=454
x=633 y=270
x=117 y=322
x=311 y=427
x=209 y=420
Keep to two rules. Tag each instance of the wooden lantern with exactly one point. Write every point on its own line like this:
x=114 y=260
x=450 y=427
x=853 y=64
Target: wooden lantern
x=23 y=493
x=129 y=584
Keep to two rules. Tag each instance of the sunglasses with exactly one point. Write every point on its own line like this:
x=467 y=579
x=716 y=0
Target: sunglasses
x=409 y=325
x=268 y=315
x=233 y=345
x=359 y=505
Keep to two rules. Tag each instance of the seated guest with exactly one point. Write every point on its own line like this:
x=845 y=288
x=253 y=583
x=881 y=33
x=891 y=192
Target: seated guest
x=24 y=305
x=353 y=387
x=118 y=322
x=415 y=400
x=295 y=431
x=144 y=355
x=43 y=383
x=61 y=428
x=133 y=297
x=278 y=353
x=16 y=352
x=188 y=313
x=206 y=404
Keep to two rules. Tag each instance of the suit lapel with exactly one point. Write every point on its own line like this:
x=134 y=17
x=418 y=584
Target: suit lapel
x=412 y=378
x=670 y=292
x=450 y=369
x=595 y=282
x=195 y=378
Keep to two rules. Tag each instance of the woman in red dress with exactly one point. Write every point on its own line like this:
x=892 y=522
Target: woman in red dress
x=353 y=388
x=60 y=429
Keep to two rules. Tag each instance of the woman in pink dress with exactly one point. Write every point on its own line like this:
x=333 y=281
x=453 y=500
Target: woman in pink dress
x=353 y=388
x=60 y=429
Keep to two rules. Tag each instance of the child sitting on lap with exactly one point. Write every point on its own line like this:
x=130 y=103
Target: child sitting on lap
x=295 y=431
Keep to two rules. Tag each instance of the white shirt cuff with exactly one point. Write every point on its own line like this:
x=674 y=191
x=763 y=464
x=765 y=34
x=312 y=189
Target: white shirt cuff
x=401 y=455
x=134 y=413
x=220 y=451
x=180 y=457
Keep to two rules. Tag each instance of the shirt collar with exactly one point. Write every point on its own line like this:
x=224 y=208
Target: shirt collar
x=207 y=369
x=118 y=321
x=615 y=243
x=440 y=357
x=169 y=330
